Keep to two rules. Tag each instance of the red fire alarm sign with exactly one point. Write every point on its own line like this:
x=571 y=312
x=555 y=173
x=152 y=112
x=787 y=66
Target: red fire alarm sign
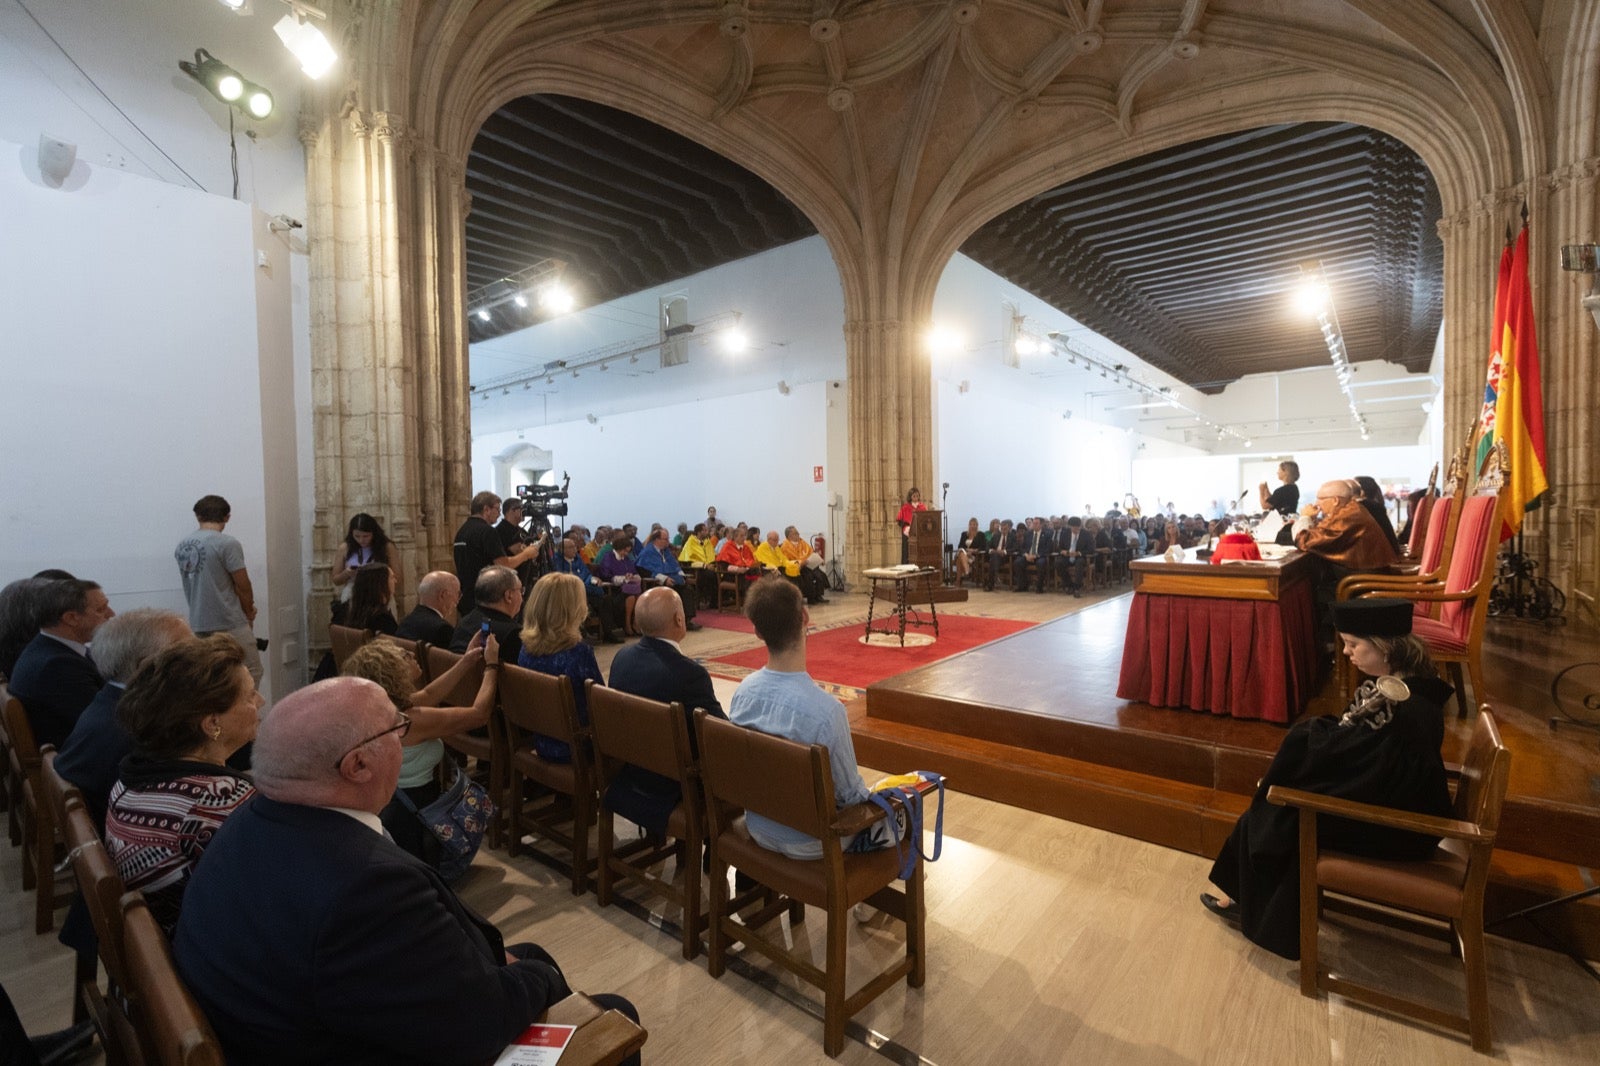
x=816 y=473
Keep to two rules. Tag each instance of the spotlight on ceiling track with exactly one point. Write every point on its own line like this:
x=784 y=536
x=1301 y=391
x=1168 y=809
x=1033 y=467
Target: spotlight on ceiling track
x=238 y=7
x=227 y=84
x=483 y=314
x=557 y=299
x=304 y=41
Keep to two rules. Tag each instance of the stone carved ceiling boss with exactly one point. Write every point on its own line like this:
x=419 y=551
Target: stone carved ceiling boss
x=900 y=126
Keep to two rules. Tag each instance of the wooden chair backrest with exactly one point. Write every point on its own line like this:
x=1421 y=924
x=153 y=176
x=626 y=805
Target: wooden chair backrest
x=440 y=660
x=175 y=1031
x=102 y=890
x=538 y=703
x=788 y=782
x=24 y=752
x=410 y=647
x=59 y=793
x=343 y=640
x=1484 y=774
x=631 y=729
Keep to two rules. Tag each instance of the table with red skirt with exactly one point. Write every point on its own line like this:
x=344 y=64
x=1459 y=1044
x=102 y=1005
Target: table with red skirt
x=1237 y=639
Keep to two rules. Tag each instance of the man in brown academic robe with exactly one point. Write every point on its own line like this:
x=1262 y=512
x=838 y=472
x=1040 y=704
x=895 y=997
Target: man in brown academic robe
x=1347 y=535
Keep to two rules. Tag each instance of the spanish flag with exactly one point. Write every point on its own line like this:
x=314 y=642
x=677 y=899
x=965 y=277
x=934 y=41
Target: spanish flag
x=1519 y=403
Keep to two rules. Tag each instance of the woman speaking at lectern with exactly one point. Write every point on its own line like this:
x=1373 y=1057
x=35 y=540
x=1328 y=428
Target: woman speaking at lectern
x=913 y=503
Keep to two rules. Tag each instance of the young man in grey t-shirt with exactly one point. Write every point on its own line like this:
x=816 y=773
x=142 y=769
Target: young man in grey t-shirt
x=216 y=583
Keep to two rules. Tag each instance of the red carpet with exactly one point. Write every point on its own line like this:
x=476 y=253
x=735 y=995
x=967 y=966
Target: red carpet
x=732 y=623
x=837 y=656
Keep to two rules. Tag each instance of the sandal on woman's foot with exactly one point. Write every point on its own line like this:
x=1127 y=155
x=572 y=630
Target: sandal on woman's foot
x=1228 y=912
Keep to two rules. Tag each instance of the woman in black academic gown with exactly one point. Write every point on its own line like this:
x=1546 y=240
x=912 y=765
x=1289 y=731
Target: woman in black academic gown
x=1383 y=750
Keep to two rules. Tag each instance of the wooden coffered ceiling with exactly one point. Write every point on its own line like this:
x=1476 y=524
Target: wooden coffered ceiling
x=1185 y=256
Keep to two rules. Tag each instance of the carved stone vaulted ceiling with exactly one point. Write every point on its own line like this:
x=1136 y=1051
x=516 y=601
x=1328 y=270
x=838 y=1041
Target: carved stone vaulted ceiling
x=1185 y=256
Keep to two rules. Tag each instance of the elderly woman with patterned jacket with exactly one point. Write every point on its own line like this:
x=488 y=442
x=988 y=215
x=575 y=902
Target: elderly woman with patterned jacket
x=188 y=709
x=1384 y=749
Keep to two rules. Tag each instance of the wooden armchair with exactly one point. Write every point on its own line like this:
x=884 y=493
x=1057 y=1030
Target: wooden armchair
x=102 y=891
x=38 y=828
x=174 y=1031
x=531 y=702
x=730 y=588
x=64 y=799
x=652 y=736
x=792 y=784
x=1446 y=890
x=342 y=640
x=10 y=790
x=488 y=748
x=417 y=649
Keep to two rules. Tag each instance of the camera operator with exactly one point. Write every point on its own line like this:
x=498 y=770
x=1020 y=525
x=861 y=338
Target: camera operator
x=515 y=538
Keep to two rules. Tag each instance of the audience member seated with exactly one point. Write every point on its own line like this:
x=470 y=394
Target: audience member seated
x=657 y=669
x=422 y=760
x=364 y=542
x=307 y=937
x=781 y=699
x=551 y=644
x=618 y=570
x=1073 y=548
x=1371 y=496
x=1413 y=504
x=433 y=619
x=606 y=611
x=93 y=752
x=797 y=549
x=1383 y=750
x=54 y=677
x=659 y=563
x=738 y=555
x=188 y=709
x=371 y=593
x=970 y=548
x=699 y=548
x=498 y=595
x=19 y=615
x=1034 y=546
x=1002 y=542
x=680 y=537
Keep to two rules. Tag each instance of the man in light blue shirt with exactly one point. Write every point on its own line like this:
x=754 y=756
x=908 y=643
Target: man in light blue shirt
x=781 y=699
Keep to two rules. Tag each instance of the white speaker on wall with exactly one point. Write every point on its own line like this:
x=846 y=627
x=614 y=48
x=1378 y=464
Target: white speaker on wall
x=55 y=160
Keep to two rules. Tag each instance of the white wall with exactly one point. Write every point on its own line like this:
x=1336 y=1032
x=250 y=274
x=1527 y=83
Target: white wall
x=148 y=360
x=750 y=456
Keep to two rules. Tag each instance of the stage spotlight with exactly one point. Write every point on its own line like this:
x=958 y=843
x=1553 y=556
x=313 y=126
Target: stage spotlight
x=556 y=298
x=227 y=84
x=735 y=341
x=304 y=41
x=238 y=7
x=1312 y=296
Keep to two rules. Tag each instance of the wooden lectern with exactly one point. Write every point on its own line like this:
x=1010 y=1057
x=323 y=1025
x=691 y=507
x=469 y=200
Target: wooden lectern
x=927 y=540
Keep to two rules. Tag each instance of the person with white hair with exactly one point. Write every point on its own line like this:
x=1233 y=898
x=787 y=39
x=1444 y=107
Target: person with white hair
x=308 y=936
x=98 y=743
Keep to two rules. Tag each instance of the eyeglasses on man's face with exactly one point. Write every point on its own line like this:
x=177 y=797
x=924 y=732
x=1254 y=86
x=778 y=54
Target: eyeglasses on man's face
x=402 y=727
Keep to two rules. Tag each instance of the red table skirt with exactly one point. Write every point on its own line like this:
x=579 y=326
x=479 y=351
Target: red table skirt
x=1247 y=658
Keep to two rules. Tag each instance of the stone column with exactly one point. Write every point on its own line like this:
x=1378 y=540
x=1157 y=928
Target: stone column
x=891 y=432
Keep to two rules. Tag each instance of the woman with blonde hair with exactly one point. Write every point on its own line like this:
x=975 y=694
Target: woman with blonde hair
x=397 y=672
x=553 y=644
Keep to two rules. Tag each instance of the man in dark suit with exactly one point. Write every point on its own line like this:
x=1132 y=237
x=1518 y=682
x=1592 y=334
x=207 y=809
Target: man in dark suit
x=1070 y=548
x=55 y=679
x=433 y=619
x=656 y=669
x=1033 y=546
x=93 y=751
x=498 y=594
x=307 y=936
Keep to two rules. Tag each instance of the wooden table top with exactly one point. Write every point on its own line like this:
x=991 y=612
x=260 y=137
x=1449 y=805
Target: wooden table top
x=1241 y=580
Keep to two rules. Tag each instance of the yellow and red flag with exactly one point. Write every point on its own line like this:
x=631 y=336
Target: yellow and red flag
x=1519 y=401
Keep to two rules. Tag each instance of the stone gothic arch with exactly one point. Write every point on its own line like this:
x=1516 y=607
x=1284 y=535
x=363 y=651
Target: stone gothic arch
x=899 y=127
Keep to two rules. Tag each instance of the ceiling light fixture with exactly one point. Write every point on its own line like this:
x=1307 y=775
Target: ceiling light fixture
x=735 y=340
x=238 y=7
x=520 y=300
x=944 y=340
x=227 y=84
x=1316 y=297
x=304 y=41
x=483 y=314
x=556 y=298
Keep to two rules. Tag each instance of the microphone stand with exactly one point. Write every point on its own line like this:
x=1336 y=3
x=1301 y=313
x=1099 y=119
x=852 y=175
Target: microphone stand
x=946 y=553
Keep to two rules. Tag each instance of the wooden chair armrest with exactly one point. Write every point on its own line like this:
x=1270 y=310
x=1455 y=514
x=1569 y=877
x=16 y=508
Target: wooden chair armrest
x=1434 y=594
x=1426 y=824
x=1356 y=582
x=602 y=1036
x=853 y=819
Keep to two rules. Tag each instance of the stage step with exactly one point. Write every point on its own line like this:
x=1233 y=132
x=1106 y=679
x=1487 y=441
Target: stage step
x=1176 y=814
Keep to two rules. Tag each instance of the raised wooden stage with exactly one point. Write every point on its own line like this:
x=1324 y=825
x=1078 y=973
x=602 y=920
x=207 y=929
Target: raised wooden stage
x=1033 y=720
